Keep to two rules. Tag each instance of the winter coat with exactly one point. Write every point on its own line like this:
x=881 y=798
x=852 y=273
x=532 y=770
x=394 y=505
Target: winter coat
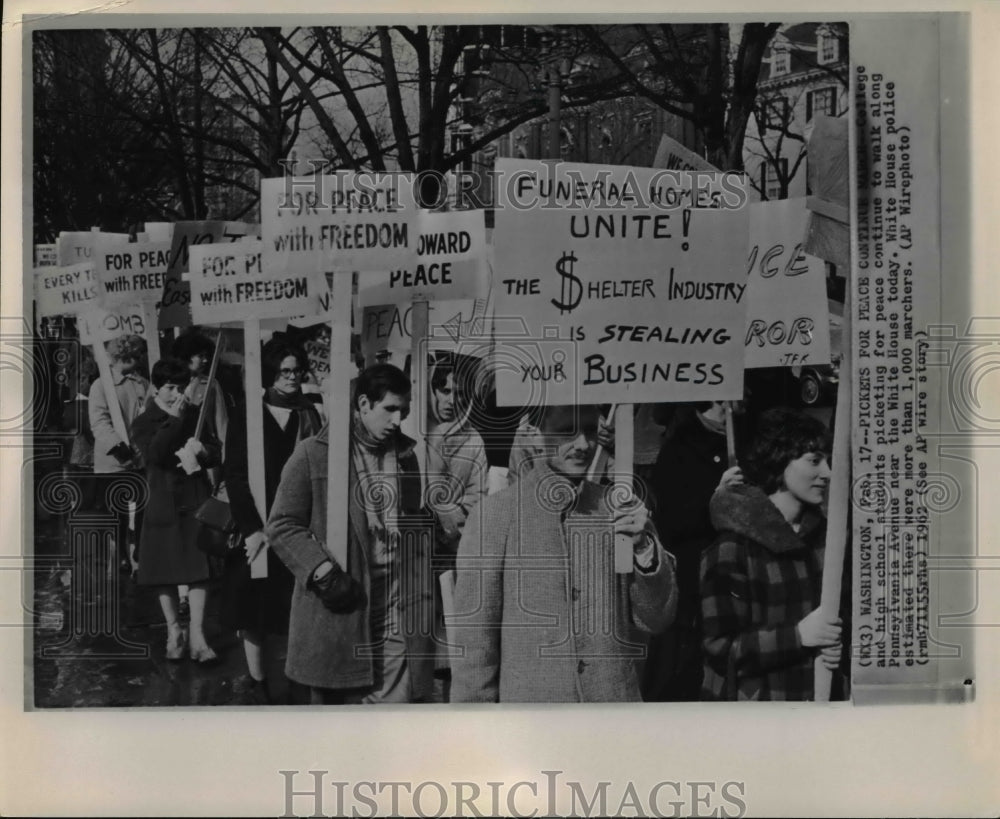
x=132 y=392
x=688 y=470
x=758 y=580
x=458 y=460
x=168 y=551
x=260 y=604
x=327 y=650
x=540 y=612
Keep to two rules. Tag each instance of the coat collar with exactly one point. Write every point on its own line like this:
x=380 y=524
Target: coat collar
x=747 y=511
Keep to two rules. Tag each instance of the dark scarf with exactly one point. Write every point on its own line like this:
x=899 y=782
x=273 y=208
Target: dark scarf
x=304 y=409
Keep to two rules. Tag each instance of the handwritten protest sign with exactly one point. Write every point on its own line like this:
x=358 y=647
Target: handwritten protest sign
x=76 y=247
x=65 y=289
x=454 y=325
x=352 y=221
x=788 y=319
x=623 y=302
x=230 y=283
x=100 y=325
x=130 y=273
x=449 y=263
x=317 y=350
x=175 y=304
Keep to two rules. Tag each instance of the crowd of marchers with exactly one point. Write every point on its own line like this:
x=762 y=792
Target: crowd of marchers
x=484 y=554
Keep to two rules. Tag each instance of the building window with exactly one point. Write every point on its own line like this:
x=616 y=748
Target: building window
x=774 y=113
x=772 y=172
x=781 y=62
x=821 y=101
x=827 y=48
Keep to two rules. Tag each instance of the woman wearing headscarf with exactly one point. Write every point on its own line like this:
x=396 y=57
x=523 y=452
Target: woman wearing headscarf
x=259 y=608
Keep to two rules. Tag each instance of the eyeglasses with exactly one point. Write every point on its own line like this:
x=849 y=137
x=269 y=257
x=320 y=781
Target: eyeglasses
x=289 y=373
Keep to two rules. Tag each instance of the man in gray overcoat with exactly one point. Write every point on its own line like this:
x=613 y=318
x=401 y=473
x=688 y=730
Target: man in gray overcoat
x=541 y=614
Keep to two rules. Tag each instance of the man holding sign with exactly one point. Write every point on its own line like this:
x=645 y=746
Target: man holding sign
x=360 y=633
x=540 y=610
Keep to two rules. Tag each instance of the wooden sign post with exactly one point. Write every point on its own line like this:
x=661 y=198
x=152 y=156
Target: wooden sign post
x=624 y=457
x=338 y=397
x=418 y=377
x=110 y=394
x=730 y=435
x=839 y=505
x=255 y=431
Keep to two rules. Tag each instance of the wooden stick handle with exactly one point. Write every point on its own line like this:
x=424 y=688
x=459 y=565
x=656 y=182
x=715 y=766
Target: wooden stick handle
x=624 y=451
x=730 y=434
x=840 y=497
x=600 y=459
x=208 y=387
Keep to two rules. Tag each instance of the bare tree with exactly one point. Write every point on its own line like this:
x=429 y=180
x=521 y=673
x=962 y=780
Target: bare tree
x=693 y=71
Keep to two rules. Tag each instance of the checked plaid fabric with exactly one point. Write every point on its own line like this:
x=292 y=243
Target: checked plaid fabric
x=758 y=579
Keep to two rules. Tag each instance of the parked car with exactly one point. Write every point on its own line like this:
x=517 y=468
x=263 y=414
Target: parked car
x=817 y=383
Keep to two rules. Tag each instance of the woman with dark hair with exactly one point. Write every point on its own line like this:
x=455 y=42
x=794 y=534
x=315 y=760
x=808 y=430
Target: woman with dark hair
x=761 y=579
x=196 y=349
x=168 y=551
x=258 y=608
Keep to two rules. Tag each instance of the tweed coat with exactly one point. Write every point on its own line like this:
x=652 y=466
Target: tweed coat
x=541 y=614
x=327 y=650
x=132 y=394
x=758 y=579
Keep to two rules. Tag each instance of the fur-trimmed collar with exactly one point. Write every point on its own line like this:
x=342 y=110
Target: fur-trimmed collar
x=747 y=511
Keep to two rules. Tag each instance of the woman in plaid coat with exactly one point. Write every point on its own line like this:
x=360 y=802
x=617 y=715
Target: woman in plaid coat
x=761 y=578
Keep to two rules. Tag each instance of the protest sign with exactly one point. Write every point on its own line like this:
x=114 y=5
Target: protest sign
x=76 y=247
x=129 y=273
x=230 y=283
x=317 y=350
x=159 y=231
x=788 y=319
x=46 y=256
x=455 y=325
x=670 y=154
x=65 y=289
x=622 y=302
x=449 y=263
x=350 y=221
x=175 y=304
x=99 y=324
x=524 y=184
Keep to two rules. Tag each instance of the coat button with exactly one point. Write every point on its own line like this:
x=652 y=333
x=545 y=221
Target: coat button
x=580 y=666
x=575 y=593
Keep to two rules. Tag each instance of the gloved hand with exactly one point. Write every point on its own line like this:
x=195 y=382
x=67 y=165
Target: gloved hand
x=122 y=452
x=339 y=592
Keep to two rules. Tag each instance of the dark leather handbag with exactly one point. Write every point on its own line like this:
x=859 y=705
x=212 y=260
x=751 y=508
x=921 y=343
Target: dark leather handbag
x=217 y=533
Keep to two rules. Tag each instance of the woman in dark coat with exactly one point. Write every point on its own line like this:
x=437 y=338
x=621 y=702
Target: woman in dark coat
x=260 y=607
x=761 y=579
x=168 y=551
